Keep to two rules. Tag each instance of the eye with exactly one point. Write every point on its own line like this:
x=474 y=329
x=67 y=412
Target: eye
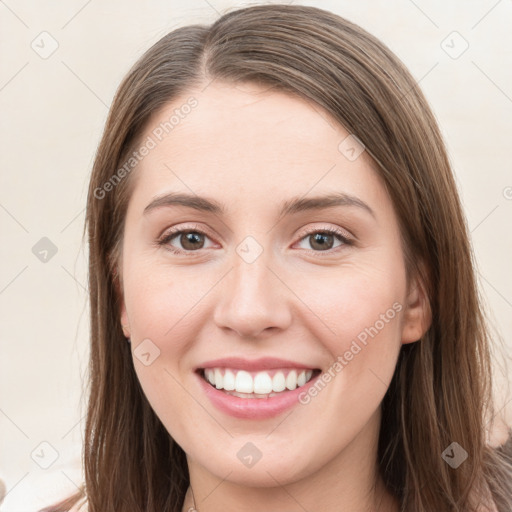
x=193 y=239
x=323 y=240
x=190 y=240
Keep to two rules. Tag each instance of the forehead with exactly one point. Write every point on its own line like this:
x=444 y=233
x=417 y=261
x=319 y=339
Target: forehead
x=249 y=114
x=253 y=141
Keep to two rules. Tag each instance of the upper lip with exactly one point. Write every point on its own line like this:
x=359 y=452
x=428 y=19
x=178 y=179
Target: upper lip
x=263 y=363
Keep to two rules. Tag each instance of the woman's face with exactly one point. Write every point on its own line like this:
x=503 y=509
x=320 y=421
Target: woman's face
x=260 y=296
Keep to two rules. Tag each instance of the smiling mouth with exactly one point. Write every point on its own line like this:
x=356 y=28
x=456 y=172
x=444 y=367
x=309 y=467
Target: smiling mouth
x=261 y=384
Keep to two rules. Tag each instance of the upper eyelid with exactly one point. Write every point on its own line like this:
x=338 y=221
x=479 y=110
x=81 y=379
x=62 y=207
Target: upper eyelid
x=341 y=231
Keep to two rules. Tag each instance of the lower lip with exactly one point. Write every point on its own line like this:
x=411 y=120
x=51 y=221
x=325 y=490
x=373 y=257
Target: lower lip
x=253 y=408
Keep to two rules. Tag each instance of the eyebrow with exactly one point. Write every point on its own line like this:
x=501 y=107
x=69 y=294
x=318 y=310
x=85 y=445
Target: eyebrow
x=291 y=206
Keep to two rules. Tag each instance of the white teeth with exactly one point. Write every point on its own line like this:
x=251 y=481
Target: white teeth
x=210 y=375
x=291 y=380
x=243 y=382
x=262 y=384
x=229 y=380
x=279 y=382
x=218 y=379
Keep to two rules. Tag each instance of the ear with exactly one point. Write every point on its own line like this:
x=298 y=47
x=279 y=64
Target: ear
x=125 y=324
x=417 y=316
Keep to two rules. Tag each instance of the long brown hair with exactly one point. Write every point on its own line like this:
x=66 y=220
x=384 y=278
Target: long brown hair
x=441 y=390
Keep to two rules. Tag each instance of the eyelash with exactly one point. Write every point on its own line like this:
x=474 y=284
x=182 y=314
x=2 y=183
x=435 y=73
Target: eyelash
x=165 y=239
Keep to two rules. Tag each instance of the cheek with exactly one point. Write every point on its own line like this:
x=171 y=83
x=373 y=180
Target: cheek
x=364 y=353
x=169 y=400
x=360 y=309
x=161 y=303
x=356 y=302
x=164 y=324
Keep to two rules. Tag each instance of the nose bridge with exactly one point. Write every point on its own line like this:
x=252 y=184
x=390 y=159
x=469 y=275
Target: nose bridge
x=251 y=275
x=252 y=298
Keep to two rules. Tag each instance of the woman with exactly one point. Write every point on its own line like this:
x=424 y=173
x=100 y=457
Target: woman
x=284 y=314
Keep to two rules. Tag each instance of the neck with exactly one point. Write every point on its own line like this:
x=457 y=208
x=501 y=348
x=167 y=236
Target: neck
x=349 y=481
x=379 y=501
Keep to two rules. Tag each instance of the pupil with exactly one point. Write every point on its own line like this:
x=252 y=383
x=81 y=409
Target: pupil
x=190 y=238
x=319 y=238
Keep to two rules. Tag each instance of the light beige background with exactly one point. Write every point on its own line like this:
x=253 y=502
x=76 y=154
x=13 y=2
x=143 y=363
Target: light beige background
x=52 y=113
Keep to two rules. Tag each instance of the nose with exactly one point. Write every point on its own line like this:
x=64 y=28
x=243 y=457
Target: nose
x=254 y=301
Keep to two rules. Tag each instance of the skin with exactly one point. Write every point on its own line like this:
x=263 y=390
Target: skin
x=252 y=149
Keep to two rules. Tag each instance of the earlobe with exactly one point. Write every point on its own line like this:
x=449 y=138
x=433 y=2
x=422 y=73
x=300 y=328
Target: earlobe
x=124 y=321
x=417 y=316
